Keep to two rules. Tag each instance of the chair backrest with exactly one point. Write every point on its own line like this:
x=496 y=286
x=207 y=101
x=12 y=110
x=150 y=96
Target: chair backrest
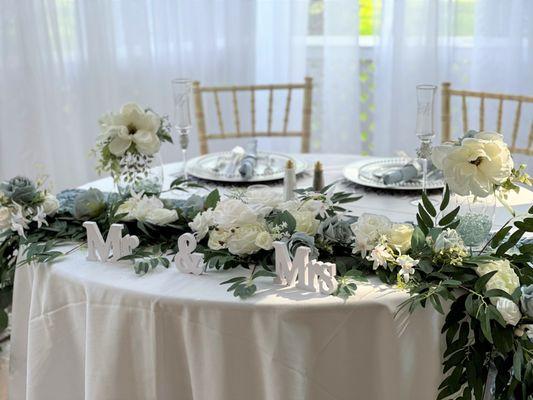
x=448 y=92
x=305 y=131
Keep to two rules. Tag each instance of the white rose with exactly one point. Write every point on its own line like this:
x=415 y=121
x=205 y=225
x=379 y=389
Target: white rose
x=306 y=222
x=128 y=208
x=400 y=235
x=161 y=216
x=505 y=279
x=201 y=223
x=144 y=206
x=315 y=206
x=509 y=311
x=50 y=204
x=217 y=239
x=242 y=241
x=131 y=125
x=232 y=213
x=475 y=166
x=264 y=240
x=5 y=218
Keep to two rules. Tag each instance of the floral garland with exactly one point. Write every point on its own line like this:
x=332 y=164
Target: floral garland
x=487 y=296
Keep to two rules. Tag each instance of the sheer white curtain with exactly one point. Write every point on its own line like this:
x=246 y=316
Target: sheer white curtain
x=64 y=63
x=483 y=46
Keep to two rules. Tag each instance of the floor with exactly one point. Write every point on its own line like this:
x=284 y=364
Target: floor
x=4 y=369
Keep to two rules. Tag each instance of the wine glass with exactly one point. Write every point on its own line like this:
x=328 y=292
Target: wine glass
x=425 y=97
x=181 y=116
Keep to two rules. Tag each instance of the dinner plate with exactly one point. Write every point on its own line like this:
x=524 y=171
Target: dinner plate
x=369 y=172
x=270 y=167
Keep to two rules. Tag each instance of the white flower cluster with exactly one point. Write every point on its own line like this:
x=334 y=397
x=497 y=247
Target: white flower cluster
x=240 y=224
x=132 y=125
x=17 y=217
x=474 y=165
x=386 y=242
x=146 y=209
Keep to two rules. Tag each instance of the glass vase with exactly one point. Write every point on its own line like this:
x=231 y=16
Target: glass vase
x=476 y=216
x=140 y=173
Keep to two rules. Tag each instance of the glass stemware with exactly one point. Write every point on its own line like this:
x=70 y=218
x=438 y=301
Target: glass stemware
x=181 y=116
x=425 y=97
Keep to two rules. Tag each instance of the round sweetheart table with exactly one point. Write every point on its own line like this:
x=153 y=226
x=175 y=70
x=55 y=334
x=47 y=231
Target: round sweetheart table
x=94 y=331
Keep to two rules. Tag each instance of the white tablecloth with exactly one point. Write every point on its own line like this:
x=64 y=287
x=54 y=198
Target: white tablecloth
x=86 y=330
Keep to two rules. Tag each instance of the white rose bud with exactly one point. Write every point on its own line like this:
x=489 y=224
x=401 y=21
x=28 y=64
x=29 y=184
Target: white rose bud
x=509 y=311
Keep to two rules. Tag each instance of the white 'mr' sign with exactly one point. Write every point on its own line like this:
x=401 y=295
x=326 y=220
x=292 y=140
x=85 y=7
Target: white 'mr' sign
x=305 y=274
x=115 y=245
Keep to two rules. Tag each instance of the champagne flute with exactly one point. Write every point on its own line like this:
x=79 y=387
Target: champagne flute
x=425 y=99
x=181 y=118
x=425 y=95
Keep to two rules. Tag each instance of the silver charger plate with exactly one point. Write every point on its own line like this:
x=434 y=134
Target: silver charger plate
x=369 y=172
x=270 y=167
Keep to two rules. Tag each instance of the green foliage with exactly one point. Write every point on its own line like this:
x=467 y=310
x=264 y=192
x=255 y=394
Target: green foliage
x=244 y=287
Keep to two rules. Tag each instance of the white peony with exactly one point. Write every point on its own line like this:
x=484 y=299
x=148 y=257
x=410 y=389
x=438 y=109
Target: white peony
x=509 y=311
x=505 y=279
x=144 y=206
x=218 y=239
x=242 y=241
x=306 y=222
x=400 y=235
x=264 y=240
x=367 y=231
x=201 y=223
x=161 y=216
x=132 y=125
x=50 y=204
x=476 y=165
x=232 y=213
x=5 y=218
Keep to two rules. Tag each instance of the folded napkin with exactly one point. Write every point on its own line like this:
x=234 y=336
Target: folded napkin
x=411 y=170
x=235 y=158
x=249 y=161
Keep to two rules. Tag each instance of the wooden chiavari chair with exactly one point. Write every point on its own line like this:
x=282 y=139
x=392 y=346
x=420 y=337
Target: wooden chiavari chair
x=448 y=92
x=204 y=136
